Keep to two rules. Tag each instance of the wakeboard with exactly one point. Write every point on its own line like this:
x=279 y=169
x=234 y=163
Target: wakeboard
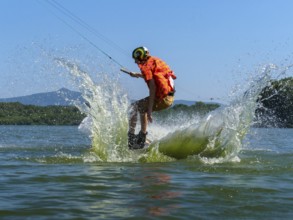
x=146 y=145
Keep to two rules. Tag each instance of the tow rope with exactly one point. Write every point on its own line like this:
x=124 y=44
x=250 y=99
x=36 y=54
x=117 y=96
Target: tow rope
x=62 y=10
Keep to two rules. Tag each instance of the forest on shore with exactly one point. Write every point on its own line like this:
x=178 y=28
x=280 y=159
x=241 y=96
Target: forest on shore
x=15 y=113
x=275 y=110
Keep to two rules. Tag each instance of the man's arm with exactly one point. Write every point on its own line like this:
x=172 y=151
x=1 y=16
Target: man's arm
x=133 y=74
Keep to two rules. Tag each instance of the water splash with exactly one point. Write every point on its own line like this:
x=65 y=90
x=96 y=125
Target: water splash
x=215 y=138
x=218 y=136
x=106 y=107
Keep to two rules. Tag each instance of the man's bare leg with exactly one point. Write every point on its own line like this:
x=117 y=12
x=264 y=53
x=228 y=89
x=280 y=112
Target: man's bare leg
x=144 y=122
x=133 y=119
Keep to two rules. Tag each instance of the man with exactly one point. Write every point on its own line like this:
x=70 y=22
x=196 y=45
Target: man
x=159 y=79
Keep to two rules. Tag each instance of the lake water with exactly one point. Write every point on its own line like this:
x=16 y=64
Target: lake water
x=51 y=173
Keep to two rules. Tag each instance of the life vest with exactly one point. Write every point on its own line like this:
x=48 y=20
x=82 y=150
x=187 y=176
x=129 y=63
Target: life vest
x=155 y=68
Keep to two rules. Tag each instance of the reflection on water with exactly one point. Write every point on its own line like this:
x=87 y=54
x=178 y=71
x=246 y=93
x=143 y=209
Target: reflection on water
x=156 y=187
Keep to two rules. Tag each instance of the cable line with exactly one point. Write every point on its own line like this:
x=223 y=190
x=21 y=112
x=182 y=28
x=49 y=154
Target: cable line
x=64 y=11
x=70 y=15
x=78 y=20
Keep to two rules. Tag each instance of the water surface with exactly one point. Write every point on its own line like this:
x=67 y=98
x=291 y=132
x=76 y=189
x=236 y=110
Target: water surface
x=51 y=173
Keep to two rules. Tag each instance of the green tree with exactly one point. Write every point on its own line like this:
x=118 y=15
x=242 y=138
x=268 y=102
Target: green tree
x=276 y=104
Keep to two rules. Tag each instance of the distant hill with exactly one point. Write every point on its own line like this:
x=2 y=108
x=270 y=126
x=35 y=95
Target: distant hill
x=62 y=97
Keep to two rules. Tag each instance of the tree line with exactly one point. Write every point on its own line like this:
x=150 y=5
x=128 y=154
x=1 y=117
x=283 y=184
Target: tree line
x=199 y=108
x=15 y=113
x=275 y=110
x=182 y=113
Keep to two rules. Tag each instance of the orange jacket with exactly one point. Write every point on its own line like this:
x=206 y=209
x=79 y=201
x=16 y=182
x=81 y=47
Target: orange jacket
x=155 y=68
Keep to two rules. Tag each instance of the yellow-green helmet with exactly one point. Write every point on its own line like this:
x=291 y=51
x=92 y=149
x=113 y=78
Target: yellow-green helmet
x=140 y=53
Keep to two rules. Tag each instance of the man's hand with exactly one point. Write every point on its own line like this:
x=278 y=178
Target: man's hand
x=133 y=74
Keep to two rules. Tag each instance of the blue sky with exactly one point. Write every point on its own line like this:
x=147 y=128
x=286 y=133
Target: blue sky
x=212 y=45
